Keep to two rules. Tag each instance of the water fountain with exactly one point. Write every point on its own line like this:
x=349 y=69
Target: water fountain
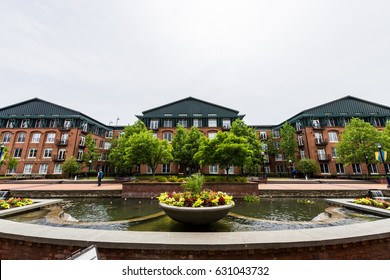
x=376 y=194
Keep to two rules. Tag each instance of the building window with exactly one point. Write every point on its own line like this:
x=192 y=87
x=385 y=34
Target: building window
x=28 y=168
x=212 y=123
x=377 y=122
x=278 y=157
x=149 y=170
x=373 y=168
x=11 y=171
x=212 y=134
x=51 y=137
x=302 y=153
x=57 y=169
x=300 y=140
x=276 y=133
x=35 y=138
x=82 y=141
x=213 y=169
x=182 y=122
x=340 y=168
x=64 y=138
x=226 y=123
x=10 y=124
x=43 y=168
x=84 y=127
x=298 y=126
x=316 y=123
x=167 y=135
x=80 y=154
x=24 y=124
x=32 y=153
x=318 y=137
x=168 y=123
x=39 y=123
x=53 y=123
x=324 y=168
x=197 y=123
x=334 y=152
x=166 y=168
x=321 y=154
x=277 y=145
x=67 y=124
x=101 y=144
x=61 y=154
x=263 y=135
x=6 y=137
x=107 y=145
x=281 y=168
x=153 y=124
x=47 y=153
x=230 y=170
x=333 y=137
x=17 y=152
x=331 y=122
x=21 y=137
x=356 y=168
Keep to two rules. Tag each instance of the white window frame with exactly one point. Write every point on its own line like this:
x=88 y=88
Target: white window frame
x=212 y=122
x=80 y=154
x=47 y=153
x=356 y=168
x=231 y=170
x=340 y=169
x=153 y=124
x=373 y=167
x=167 y=135
x=321 y=154
x=263 y=135
x=278 y=157
x=51 y=137
x=333 y=136
x=324 y=167
x=32 y=153
x=166 y=168
x=211 y=134
x=197 y=123
x=36 y=137
x=168 y=123
x=213 y=169
x=226 y=123
x=6 y=137
x=19 y=154
x=28 y=168
x=21 y=137
x=61 y=154
x=43 y=168
x=82 y=141
x=57 y=168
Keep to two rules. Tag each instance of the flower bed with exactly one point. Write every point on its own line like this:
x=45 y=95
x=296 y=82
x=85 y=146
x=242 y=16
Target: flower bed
x=379 y=203
x=205 y=198
x=15 y=202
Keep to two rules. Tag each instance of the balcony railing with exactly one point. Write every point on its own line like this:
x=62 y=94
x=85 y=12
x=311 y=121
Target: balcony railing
x=58 y=158
x=62 y=142
x=321 y=142
x=324 y=157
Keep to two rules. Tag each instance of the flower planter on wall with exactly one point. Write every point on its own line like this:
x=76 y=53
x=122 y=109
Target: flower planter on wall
x=196 y=215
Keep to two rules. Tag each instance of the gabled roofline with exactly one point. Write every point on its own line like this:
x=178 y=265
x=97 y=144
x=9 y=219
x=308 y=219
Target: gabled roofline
x=76 y=113
x=303 y=113
x=190 y=98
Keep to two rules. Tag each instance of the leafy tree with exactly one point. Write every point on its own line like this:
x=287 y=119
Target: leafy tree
x=252 y=163
x=3 y=156
x=308 y=166
x=144 y=148
x=12 y=163
x=71 y=167
x=358 y=143
x=185 y=145
x=117 y=153
x=288 y=143
x=271 y=148
x=384 y=138
x=226 y=149
x=91 y=152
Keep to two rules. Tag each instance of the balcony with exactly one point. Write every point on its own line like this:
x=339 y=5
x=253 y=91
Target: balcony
x=324 y=157
x=321 y=142
x=226 y=127
x=62 y=142
x=64 y=128
x=58 y=158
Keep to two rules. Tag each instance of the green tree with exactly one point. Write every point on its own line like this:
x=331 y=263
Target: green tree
x=384 y=138
x=226 y=149
x=272 y=148
x=117 y=153
x=288 y=143
x=13 y=163
x=358 y=143
x=3 y=156
x=252 y=163
x=91 y=152
x=185 y=145
x=71 y=167
x=144 y=148
x=308 y=167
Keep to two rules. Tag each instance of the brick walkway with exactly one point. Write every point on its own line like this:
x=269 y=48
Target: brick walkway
x=273 y=184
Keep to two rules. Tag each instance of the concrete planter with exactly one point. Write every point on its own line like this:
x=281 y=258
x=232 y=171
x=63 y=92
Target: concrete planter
x=196 y=215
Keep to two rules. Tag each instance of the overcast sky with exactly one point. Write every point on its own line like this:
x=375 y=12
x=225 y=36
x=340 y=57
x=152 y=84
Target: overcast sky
x=267 y=59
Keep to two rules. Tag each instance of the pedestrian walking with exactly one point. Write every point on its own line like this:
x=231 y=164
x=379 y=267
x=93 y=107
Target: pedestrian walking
x=100 y=176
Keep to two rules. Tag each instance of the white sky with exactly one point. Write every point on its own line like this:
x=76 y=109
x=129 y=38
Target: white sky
x=267 y=59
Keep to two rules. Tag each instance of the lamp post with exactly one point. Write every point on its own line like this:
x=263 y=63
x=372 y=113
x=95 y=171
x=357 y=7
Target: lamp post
x=1 y=154
x=263 y=163
x=290 y=166
x=89 y=169
x=381 y=155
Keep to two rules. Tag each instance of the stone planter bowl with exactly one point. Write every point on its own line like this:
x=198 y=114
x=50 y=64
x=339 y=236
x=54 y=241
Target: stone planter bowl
x=196 y=215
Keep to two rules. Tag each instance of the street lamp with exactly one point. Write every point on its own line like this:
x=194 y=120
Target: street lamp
x=290 y=166
x=89 y=170
x=381 y=155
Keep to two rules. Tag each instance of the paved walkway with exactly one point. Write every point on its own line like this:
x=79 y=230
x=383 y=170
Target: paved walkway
x=273 y=184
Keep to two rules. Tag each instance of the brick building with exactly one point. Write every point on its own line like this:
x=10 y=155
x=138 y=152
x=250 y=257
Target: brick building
x=42 y=135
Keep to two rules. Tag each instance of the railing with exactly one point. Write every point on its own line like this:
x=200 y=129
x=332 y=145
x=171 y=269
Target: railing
x=321 y=142
x=324 y=157
x=58 y=158
x=62 y=142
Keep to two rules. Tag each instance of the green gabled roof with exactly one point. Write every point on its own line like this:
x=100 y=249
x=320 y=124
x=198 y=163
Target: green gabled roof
x=189 y=106
x=347 y=106
x=38 y=108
